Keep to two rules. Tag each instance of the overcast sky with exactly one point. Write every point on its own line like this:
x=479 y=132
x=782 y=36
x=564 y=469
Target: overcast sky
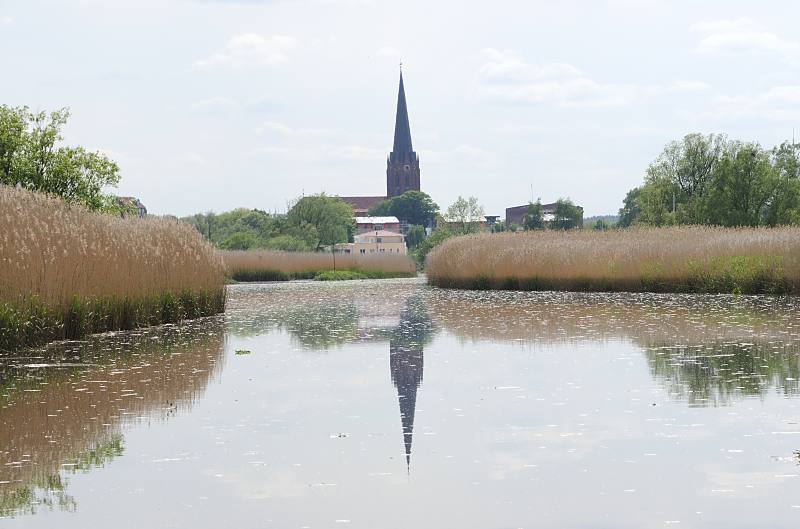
x=211 y=105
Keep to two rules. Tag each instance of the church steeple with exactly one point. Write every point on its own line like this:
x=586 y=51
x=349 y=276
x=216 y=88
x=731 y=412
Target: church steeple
x=402 y=130
x=402 y=166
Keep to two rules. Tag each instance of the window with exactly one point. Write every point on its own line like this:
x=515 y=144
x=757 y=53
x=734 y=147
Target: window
x=363 y=250
x=382 y=250
x=380 y=239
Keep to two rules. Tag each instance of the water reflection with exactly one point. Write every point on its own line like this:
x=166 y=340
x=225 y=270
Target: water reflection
x=406 y=363
x=706 y=350
x=529 y=399
x=64 y=408
x=320 y=317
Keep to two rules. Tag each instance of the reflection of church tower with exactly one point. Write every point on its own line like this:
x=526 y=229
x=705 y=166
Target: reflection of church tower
x=402 y=166
x=406 y=364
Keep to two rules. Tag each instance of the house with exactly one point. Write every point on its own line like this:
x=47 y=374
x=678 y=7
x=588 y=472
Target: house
x=375 y=242
x=133 y=205
x=365 y=224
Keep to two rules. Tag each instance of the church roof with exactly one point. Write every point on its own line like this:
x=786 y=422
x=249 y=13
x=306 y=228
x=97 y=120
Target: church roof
x=362 y=203
x=402 y=130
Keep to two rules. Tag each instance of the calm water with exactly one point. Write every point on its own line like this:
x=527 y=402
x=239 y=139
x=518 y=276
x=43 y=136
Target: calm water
x=387 y=404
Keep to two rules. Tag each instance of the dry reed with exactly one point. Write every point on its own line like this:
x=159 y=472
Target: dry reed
x=65 y=271
x=679 y=259
x=277 y=266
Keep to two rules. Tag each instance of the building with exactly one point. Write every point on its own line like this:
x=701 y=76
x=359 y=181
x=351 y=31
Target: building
x=516 y=214
x=132 y=205
x=365 y=224
x=375 y=242
x=402 y=164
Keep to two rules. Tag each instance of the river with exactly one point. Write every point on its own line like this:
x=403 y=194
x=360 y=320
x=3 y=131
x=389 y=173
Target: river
x=388 y=404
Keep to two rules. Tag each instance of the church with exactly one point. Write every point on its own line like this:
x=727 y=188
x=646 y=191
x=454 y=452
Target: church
x=402 y=165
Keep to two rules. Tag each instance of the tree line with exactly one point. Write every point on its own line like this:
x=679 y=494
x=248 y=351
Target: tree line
x=713 y=180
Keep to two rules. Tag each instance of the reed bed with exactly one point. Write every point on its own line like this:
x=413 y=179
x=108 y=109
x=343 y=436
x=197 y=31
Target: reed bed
x=677 y=259
x=66 y=272
x=282 y=266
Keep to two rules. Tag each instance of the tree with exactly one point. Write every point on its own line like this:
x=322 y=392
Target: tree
x=31 y=157
x=630 y=211
x=499 y=227
x=413 y=207
x=381 y=209
x=436 y=238
x=239 y=241
x=329 y=217
x=416 y=234
x=601 y=225
x=534 y=218
x=464 y=215
x=567 y=215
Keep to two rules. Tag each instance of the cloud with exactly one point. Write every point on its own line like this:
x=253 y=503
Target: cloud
x=312 y=144
x=504 y=75
x=741 y=36
x=250 y=49
x=215 y=104
x=190 y=158
x=280 y=129
x=6 y=20
x=779 y=103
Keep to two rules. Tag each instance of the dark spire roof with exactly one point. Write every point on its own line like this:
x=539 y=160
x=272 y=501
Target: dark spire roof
x=402 y=131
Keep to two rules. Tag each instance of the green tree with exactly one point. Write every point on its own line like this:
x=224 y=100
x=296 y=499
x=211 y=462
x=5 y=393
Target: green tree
x=534 y=217
x=413 y=207
x=436 y=238
x=567 y=216
x=745 y=187
x=239 y=241
x=416 y=234
x=287 y=243
x=31 y=157
x=329 y=217
x=464 y=215
x=630 y=211
x=381 y=209
x=601 y=225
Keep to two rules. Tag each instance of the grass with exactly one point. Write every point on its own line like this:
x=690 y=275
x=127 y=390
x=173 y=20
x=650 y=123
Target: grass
x=284 y=266
x=679 y=259
x=66 y=272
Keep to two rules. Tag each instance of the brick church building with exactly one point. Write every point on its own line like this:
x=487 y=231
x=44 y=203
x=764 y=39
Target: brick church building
x=402 y=165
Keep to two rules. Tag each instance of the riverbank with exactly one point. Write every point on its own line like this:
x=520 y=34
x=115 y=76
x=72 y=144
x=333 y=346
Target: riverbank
x=679 y=259
x=67 y=272
x=246 y=266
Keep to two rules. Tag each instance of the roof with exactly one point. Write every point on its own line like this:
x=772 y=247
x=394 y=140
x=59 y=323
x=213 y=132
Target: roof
x=402 y=130
x=362 y=203
x=377 y=220
x=545 y=207
x=380 y=233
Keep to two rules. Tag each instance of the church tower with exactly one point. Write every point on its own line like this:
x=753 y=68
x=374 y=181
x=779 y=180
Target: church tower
x=402 y=166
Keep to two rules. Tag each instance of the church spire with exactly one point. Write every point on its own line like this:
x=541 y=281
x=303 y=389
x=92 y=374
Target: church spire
x=402 y=130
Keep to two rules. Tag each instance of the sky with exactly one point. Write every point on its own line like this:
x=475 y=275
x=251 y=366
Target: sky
x=209 y=105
